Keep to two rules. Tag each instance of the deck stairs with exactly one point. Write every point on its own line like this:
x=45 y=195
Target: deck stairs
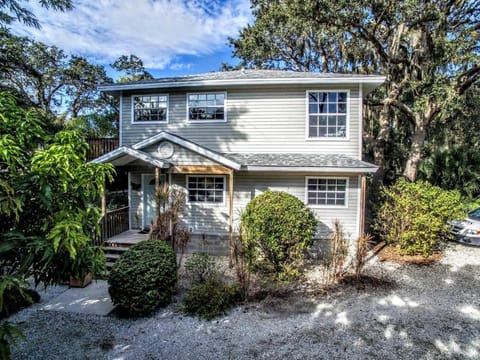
x=115 y=246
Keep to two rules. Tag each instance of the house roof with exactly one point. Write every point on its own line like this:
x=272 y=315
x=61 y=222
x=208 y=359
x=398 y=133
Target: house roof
x=302 y=163
x=124 y=155
x=190 y=145
x=282 y=162
x=248 y=78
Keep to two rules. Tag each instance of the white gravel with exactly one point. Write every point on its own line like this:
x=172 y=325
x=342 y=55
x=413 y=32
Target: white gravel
x=432 y=312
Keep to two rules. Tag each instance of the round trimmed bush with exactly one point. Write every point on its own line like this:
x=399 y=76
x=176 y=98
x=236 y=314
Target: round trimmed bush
x=277 y=228
x=143 y=278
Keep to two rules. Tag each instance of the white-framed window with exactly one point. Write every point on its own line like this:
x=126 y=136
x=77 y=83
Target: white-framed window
x=327 y=114
x=209 y=189
x=151 y=108
x=206 y=107
x=326 y=191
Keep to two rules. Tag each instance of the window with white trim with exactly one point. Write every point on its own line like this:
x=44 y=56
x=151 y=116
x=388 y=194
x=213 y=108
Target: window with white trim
x=326 y=191
x=206 y=189
x=327 y=114
x=206 y=107
x=149 y=108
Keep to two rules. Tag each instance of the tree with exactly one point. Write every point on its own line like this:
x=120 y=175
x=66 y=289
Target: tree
x=12 y=10
x=44 y=77
x=47 y=202
x=133 y=68
x=428 y=50
x=453 y=168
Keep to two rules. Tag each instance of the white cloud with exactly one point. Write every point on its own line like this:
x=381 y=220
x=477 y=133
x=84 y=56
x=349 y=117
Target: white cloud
x=158 y=31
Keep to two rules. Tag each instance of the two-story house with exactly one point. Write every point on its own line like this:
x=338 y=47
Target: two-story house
x=226 y=137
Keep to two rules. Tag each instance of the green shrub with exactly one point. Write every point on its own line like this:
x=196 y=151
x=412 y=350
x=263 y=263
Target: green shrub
x=200 y=267
x=414 y=216
x=210 y=299
x=143 y=278
x=15 y=299
x=277 y=228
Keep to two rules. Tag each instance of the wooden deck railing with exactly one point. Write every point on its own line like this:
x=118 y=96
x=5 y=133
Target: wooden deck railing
x=113 y=223
x=100 y=146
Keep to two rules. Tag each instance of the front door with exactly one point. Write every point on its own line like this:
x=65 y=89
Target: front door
x=149 y=202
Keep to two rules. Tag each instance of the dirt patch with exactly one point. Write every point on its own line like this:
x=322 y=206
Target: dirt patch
x=302 y=297
x=364 y=282
x=390 y=253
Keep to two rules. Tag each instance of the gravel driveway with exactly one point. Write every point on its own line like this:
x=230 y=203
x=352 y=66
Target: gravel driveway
x=432 y=312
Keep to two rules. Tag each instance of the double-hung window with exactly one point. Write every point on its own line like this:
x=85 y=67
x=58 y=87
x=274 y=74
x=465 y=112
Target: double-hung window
x=206 y=189
x=207 y=107
x=326 y=191
x=327 y=114
x=149 y=108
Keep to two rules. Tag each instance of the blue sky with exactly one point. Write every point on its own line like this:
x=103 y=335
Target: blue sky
x=172 y=37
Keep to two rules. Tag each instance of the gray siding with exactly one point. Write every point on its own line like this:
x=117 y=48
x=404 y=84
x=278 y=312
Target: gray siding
x=258 y=120
x=213 y=219
x=181 y=156
x=248 y=186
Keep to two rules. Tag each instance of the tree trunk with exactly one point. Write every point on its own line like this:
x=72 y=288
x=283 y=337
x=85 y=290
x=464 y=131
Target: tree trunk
x=379 y=151
x=415 y=154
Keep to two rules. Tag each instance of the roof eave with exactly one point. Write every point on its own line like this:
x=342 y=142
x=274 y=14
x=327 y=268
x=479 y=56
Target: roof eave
x=311 y=169
x=370 y=82
x=124 y=150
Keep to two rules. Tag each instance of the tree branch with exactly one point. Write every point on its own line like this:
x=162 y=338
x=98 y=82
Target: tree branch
x=467 y=79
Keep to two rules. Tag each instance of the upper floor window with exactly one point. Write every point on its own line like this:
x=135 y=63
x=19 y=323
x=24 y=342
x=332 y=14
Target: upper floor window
x=206 y=107
x=149 y=108
x=327 y=114
x=326 y=191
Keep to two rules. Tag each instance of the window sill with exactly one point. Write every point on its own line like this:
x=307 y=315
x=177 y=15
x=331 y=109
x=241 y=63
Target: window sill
x=148 y=122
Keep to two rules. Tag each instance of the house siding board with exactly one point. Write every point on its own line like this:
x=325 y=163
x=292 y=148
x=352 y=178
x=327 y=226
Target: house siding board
x=262 y=120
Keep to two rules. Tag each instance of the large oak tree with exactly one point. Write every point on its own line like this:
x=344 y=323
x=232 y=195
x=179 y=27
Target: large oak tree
x=428 y=50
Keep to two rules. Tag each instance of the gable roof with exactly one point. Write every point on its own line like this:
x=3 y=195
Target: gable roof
x=247 y=78
x=125 y=154
x=134 y=151
x=302 y=162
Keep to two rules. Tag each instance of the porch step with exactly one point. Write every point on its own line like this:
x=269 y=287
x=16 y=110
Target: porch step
x=113 y=249
x=113 y=252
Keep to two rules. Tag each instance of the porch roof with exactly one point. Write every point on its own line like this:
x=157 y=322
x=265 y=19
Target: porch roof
x=190 y=145
x=292 y=162
x=125 y=154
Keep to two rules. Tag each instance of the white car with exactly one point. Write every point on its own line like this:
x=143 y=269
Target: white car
x=468 y=231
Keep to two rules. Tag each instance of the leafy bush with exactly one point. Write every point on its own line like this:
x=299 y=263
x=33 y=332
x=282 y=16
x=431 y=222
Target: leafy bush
x=210 y=299
x=15 y=299
x=415 y=216
x=200 y=267
x=276 y=229
x=143 y=278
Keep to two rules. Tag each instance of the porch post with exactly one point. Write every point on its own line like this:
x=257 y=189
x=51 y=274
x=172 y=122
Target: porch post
x=157 y=181
x=230 y=211
x=363 y=194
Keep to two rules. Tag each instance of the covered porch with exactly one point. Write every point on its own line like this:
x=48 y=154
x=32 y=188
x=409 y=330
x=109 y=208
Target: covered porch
x=166 y=158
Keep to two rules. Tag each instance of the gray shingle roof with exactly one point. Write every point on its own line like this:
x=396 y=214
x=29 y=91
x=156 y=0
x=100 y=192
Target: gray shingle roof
x=300 y=161
x=247 y=77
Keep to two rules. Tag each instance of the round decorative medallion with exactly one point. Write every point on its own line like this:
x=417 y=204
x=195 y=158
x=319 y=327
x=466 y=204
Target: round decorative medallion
x=165 y=150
